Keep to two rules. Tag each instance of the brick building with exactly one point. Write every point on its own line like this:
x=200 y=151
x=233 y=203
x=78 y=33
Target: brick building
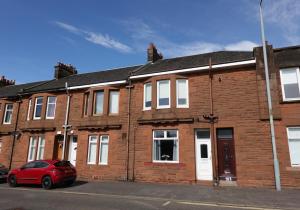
x=193 y=119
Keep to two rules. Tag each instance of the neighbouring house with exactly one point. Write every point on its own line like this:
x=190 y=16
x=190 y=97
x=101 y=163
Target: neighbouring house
x=193 y=119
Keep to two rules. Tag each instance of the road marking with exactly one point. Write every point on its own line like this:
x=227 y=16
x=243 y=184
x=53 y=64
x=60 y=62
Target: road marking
x=166 y=203
x=233 y=206
x=184 y=202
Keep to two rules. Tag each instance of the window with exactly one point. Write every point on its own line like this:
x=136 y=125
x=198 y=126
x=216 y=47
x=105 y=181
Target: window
x=165 y=146
x=290 y=84
x=182 y=93
x=294 y=145
x=163 y=94
x=99 y=98
x=36 y=143
x=32 y=148
x=51 y=105
x=8 y=114
x=41 y=164
x=92 y=151
x=38 y=108
x=0 y=146
x=86 y=103
x=41 y=148
x=103 y=150
x=29 y=108
x=147 y=96
x=114 y=102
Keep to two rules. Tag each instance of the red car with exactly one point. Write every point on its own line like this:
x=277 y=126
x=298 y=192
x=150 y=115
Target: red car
x=43 y=172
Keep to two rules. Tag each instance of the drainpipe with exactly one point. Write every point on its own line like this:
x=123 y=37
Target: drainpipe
x=15 y=134
x=66 y=126
x=129 y=86
x=275 y=159
x=212 y=125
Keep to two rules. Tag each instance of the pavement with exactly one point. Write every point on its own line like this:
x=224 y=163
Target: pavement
x=132 y=195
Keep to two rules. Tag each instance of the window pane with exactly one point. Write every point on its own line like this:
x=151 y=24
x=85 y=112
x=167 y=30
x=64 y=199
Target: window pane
x=158 y=134
x=294 y=133
x=172 y=133
x=32 y=148
x=204 y=152
x=289 y=76
x=114 y=102
x=225 y=133
x=294 y=146
x=103 y=153
x=51 y=107
x=86 y=102
x=182 y=92
x=163 y=92
x=203 y=134
x=165 y=150
x=291 y=90
x=148 y=96
x=38 y=107
x=41 y=148
x=99 y=102
x=92 y=149
x=29 y=109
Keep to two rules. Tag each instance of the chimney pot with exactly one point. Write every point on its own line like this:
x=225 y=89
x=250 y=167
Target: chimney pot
x=5 y=82
x=153 y=54
x=63 y=70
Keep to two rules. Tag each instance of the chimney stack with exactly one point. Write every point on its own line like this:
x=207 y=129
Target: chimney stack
x=152 y=53
x=5 y=82
x=64 y=70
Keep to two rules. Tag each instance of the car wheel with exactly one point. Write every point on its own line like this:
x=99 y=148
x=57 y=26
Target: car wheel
x=12 y=181
x=47 y=182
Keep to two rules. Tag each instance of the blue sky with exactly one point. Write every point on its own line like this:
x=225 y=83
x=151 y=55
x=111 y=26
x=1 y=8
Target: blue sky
x=94 y=35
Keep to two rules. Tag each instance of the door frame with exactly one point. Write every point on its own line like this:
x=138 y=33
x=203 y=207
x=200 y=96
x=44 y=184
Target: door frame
x=196 y=154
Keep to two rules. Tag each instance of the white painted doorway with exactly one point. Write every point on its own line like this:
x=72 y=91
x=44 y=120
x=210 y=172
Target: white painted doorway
x=73 y=150
x=203 y=154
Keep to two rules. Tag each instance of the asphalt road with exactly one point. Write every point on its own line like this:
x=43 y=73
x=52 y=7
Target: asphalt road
x=33 y=198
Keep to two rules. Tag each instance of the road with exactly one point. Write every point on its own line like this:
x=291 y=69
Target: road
x=33 y=198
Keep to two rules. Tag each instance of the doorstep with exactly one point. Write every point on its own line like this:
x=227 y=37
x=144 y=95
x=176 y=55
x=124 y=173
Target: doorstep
x=224 y=183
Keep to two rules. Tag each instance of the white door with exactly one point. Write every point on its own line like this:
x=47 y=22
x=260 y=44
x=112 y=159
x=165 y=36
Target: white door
x=73 y=150
x=203 y=155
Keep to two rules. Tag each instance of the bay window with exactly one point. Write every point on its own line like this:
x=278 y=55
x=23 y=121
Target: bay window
x=290 y=84
x=163 y=94
x=147 y=96
x=182 y=93
x=29 y=109
x=165 y=146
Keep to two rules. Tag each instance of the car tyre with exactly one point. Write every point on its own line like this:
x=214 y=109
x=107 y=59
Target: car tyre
x=12 y=181
x=47 y=182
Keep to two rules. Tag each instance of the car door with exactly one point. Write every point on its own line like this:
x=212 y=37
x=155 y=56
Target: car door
x=39 y=171
x=24 y=175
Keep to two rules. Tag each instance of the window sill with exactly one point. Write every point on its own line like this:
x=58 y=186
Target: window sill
x=293 y=168
x=290 y=101
x=165 y=164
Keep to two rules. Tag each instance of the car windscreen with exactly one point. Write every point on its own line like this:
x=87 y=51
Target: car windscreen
x=62 y=164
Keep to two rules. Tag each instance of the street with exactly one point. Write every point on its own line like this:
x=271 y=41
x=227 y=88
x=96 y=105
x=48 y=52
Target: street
x=127 y=196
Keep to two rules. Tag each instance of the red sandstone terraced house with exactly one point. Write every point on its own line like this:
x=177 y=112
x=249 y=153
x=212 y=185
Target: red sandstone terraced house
x=194 y=119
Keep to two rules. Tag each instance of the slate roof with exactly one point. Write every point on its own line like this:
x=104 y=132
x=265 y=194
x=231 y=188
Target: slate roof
x=13 y=90
x=86 y=79
x=123 y=73
x=199 y=60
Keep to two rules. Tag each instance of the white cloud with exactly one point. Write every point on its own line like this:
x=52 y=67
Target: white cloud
x=95 y=38
x=142 y=34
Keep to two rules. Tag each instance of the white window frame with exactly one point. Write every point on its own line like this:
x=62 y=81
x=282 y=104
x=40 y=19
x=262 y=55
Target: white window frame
x=100 y=149
x=32 y=138
x=282 y=84
x=144 y=100
x=51 y=117
x=187 y=93
x=162 y=139
x=29 y=109
x=157 y=95
x=288 y=136
x=6 y=112
x=111 y=104
x=1 y=144
x=89 y=150
x=39 y=147
x=35 y=105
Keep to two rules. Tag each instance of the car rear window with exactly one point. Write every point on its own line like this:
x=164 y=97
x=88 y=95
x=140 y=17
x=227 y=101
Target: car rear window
x=62 y=164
